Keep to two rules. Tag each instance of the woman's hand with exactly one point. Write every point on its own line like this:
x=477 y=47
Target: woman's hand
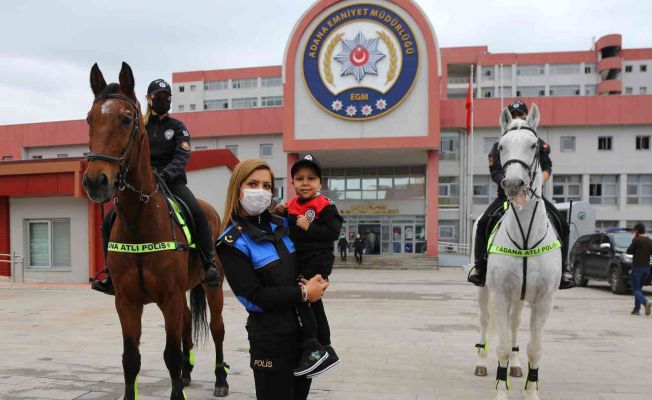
x=281 y=209
x=315 y=287
x=303 y=222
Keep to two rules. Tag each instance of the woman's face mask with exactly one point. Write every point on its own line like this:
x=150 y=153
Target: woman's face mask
x=161 y=105
x=255 y=201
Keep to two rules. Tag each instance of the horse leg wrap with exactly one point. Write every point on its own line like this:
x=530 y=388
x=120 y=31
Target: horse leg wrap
x=481 y=347
x=532 y=376
x=221 y=385
x=501 y=375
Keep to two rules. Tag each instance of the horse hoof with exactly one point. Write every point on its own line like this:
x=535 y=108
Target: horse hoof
x=185 y=381
x=221 y=391
x=515 y=372
x=480 y=371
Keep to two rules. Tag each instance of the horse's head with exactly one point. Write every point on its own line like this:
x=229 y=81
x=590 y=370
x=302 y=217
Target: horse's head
x=519 y=154
x=115 y=132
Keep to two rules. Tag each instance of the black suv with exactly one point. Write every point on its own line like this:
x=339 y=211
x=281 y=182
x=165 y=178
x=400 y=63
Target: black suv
x=601 y=256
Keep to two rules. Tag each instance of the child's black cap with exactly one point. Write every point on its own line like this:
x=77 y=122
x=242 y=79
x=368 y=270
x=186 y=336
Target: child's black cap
x=307 y=161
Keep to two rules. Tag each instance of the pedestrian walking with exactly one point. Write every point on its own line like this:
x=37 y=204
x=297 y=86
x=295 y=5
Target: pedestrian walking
x=641 y=248
x=358 y=246
x=343 y=247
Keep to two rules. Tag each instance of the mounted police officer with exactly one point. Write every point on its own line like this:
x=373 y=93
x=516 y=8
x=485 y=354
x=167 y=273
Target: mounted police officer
x=495 y=211
x=169 y=147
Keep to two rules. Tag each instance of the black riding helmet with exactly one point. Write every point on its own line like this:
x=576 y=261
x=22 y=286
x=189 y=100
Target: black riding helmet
x=517 y=108
x=157 y=86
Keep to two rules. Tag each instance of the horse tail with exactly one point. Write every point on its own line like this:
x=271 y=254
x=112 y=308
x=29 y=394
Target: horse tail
x=198 y=312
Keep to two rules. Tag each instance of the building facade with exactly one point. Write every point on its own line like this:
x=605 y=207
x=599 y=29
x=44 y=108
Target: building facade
x=407 y=171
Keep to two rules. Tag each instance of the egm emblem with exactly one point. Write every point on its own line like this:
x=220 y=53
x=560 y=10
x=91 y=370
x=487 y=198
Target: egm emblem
x=169 y=134
x=361 y=62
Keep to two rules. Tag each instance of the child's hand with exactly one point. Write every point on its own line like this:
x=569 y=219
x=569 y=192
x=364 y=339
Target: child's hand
x=280 y=209
x=302 y=222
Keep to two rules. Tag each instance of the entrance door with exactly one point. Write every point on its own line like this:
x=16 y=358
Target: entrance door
x=370 y=234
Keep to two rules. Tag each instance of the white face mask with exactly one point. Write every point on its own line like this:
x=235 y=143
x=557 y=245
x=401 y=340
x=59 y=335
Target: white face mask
x=255 y=201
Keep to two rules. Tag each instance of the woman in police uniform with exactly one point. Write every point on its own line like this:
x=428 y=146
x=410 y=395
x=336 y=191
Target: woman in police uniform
x=169 y=147
x=261 y=267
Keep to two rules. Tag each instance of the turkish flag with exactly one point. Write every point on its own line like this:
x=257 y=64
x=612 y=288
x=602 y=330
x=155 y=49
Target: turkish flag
x=469 y=106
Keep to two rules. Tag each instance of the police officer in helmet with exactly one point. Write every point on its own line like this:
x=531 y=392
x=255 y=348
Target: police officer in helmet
x=495 y=211
x=169 y=147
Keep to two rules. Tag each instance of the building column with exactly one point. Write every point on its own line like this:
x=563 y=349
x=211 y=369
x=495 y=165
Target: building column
x=622 y=193
x=432 y=202
x=5 y=241
x=289 y=189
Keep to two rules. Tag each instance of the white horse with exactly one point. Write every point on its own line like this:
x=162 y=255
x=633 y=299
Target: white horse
x=524 y=256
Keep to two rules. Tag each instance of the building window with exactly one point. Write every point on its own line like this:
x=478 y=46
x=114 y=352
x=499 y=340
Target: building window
x=603 y=189
x=245 y=102
x=193 y=88
x=642 y=90
x=62 y=155
x=603 y=225
x=604 y=143
x=245 y=83
x=487 y=92
x=639 y=189
x=488 y=143
x=449 y=231
x=484 y=190
x=382 y=183
x=272 y=81
x=565 y=69
x=643 y=68
x=233 y=148
x=182 y=89
x=449 y=191
x=642 y=143
x=629 y=90
x=198 y=148
x=181 y=108
x=528 y=70
x=193 y=107
x=589 y=90
x=271 y=101
x=567 y=143
x=530 y=91
x=646 y=223
x=450 y=146
x=49 y=244
x=628 y=68
x=279 y=189
x=566 y=188
x=220 y=104
x=589 y=68
x=266 y=151
x=216 y=85
x=565 y=90
x=488 y=73
x=37 y=157
x=7 y=158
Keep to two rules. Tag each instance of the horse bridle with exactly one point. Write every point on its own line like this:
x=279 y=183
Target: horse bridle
x=123 y=161
x=532 y=167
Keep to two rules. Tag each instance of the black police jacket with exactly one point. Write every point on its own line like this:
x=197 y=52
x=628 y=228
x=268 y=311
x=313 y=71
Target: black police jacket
x=496 y=166
x=261 y=267
x=169 y=147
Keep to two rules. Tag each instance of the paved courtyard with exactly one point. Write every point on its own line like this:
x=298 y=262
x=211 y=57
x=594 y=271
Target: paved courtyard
x=401 y=335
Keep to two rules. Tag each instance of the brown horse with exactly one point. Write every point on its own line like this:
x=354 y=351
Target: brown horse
x=119 y=169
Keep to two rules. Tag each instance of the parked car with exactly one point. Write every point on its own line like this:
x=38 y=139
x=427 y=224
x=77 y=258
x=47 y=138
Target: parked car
x=602 y=257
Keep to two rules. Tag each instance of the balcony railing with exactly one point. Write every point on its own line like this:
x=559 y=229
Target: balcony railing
x=459 y=79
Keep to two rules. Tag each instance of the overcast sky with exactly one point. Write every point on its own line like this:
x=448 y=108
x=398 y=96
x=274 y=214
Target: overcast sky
x=47 y=47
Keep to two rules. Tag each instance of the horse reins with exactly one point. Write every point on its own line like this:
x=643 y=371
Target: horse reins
x=123 y=161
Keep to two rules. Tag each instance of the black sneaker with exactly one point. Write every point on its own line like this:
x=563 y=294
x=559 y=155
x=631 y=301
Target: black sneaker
x=105 y=285
x=332 y=361
x=636 y=312
x=310 y=359
x=567 y=280
x=477 y=276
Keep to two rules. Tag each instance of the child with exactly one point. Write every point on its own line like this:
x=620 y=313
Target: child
x=314 y=225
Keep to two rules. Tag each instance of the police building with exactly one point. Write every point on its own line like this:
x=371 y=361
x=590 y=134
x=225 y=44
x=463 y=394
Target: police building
x=367 y=90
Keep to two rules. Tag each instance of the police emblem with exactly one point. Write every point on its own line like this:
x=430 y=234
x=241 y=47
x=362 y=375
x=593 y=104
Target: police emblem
x=185 y=146
x=310 y=215
x=169 y=134
x=361 y=62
